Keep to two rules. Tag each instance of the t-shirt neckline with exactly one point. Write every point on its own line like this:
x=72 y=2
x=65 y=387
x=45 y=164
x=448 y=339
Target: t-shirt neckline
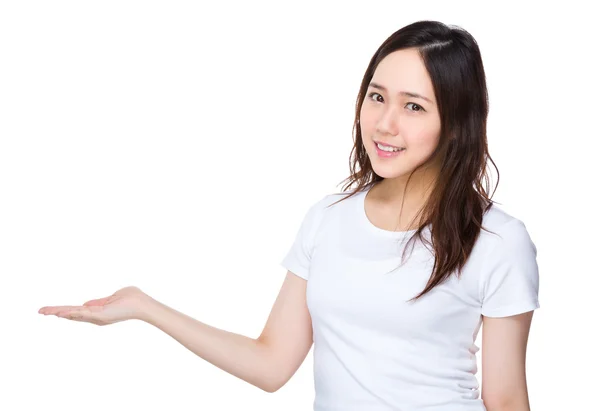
x=364 y=219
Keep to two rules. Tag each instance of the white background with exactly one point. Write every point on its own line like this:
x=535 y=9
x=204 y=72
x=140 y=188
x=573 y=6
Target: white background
x=176 y=146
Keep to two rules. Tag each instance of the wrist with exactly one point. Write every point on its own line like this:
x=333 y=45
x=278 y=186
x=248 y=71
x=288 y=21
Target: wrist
x=147 y=308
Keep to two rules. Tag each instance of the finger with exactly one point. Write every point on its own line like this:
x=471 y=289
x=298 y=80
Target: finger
x=77 y=314
x=54 y=309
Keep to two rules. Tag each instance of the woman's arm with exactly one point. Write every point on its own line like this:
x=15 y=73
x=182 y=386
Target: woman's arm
x=504 y=383
x=266 y=362
x=241 y=356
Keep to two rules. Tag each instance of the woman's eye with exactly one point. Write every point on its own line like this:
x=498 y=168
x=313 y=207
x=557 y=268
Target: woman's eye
x=373 y=94
x=415 y=105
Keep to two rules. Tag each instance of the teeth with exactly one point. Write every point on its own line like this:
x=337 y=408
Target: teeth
x=386 y=148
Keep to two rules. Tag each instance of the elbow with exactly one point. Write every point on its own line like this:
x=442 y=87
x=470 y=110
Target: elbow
x=270 y=390
x=267 y=389
x=270 y=387
x=270 y=383
x=275 y=381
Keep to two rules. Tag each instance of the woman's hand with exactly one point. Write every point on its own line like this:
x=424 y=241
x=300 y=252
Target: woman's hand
x=126 y=304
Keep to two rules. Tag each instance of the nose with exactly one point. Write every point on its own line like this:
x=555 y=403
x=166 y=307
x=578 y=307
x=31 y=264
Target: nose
x=388 y=122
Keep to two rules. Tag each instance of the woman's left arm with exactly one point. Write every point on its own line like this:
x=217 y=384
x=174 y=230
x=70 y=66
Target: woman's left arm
x=504 y=346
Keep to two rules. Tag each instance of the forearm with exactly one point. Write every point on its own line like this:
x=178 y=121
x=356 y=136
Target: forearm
x=238 y=355
x=508 y=405
x=506 y=408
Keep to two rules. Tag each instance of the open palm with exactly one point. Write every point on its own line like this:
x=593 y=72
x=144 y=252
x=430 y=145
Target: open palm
x=125 y=304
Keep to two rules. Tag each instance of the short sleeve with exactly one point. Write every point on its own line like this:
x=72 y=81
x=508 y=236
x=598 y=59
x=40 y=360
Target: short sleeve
x=297 y=259
x=510 y=279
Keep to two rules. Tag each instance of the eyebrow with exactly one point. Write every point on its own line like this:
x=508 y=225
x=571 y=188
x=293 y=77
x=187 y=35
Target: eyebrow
x=403 y=93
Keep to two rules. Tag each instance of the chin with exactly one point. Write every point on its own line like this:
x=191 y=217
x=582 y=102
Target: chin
x=391 y=172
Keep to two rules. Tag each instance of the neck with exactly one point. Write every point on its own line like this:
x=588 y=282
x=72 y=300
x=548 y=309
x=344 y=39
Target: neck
x=414 y=193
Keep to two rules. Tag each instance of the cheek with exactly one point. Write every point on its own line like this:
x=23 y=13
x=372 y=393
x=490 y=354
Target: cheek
x=368 y=118
x=423 y=139
x=366 y=129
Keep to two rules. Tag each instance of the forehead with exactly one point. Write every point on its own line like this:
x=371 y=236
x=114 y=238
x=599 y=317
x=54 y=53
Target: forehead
x=404 y=70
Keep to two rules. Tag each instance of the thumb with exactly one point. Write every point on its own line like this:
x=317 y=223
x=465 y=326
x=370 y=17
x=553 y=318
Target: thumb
x=98 y=301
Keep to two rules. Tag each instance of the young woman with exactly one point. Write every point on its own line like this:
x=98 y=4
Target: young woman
x=393 y=281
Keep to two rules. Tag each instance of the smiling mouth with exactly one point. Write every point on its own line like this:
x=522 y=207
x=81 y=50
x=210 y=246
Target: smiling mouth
x=388 y=149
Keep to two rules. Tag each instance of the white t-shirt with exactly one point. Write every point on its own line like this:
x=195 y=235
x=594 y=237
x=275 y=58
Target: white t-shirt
x=373 y=350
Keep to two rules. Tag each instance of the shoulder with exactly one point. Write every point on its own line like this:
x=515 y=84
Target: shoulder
x=507 y=267
x=503 y=232
x=497 y=220
x=317 y=209
x=323 y=209
x=495 y=217
x=327 y=202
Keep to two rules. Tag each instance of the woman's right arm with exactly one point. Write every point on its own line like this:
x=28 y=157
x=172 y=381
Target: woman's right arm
x=267 y=362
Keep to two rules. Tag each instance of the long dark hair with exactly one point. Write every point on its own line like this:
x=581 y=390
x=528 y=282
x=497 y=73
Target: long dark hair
x=458 y=199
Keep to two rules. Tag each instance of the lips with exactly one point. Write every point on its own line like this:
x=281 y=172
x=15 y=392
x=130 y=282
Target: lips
x=385 y=144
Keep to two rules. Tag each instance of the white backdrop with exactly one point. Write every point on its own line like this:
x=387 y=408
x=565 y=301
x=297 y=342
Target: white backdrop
x=176 y=146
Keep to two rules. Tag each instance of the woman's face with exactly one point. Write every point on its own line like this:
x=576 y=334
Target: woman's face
x=392 y=114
